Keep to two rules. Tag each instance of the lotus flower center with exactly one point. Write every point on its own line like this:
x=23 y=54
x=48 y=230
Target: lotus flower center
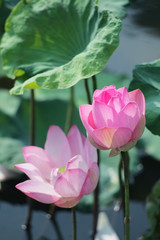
x=62 y=169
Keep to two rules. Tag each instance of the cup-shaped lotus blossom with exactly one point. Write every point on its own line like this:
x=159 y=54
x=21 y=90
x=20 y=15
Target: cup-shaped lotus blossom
x=116 y=118
x=62 y=172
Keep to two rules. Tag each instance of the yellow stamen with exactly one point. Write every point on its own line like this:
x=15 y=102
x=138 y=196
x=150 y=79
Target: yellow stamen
x=62 y=169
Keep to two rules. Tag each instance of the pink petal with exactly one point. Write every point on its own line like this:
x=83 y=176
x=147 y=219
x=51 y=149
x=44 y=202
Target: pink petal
x=77 y=162
x=55 y=174
x=138 y=131
x=91 y=121
x=84 y=112
x=103 y=115
x=113 y=137
x=76 y=142
x=138 y=97
x=128 y=117
x=105 y=94
x=40 y=191
x=70 y=183
x=68 y=202
x=116 y=103
x=30 y=170
x=96 y=143
x=128 y=146
x=86 y=116
x=91 y=180
x=114 y=152
x=90 y=153
x=124 y=95
x=37 y=157
x=57 y=147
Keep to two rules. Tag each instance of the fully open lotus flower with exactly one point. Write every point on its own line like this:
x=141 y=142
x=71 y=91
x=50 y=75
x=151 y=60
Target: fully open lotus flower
x=62 y=172
x=116 y=118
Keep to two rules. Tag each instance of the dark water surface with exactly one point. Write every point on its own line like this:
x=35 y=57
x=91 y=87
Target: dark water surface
x=139 y=38
x=13 y=216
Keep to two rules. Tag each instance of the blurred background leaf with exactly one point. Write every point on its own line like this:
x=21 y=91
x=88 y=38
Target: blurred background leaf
x=5 y=8
x=153 y=212
x=146 y=78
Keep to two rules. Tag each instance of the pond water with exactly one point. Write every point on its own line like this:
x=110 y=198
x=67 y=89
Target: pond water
x=139 y=38
x=13 y=216
x=139 y=42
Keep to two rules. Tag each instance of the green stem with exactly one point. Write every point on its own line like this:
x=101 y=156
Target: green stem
x=32 y=119
x=67 y=127
x=74 y=224
x=94 y=80
x=69 y=111
x=87 y=91
x=96 y=192
x=96 y=204
x=32 y=143
x=51 y=211
x=57 y=229
x=121 y=185
x=125 y=161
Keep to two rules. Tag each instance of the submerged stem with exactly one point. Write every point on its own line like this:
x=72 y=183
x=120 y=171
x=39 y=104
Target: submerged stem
x=74 y=224
x=96 y=204
x=96 y=192
x=125 y=161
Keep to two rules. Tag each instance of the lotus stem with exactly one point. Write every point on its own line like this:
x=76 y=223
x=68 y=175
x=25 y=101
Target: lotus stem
x=96 y=204
x=121 y=185
x=67 y=127
x=57 y=229
x=74 y=224
x=125 y=162
x=32 y=143
x=70 y=111
x=94 y=81
x=87 y=91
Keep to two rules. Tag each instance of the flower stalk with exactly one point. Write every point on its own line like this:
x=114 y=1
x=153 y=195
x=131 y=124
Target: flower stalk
x=74 y=223
x=70 y=111
x=32 y=143
x=87 y=91
x=67 y=127
x=125 y=162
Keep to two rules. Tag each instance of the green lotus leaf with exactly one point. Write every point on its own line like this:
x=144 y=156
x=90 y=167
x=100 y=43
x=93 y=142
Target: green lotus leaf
x=153 y=212
x=116 y=6
x=54 y=44
x=147 y=78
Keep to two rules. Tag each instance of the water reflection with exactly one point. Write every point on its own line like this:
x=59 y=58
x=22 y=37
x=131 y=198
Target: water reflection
x=146 y=14
x=55 y=225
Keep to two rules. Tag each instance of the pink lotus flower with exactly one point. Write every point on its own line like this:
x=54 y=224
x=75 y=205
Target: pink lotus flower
x=62 y=172
x=115 y=120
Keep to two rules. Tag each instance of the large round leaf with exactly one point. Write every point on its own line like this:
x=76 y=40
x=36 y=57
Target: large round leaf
x=147 y=78
x=54 y=44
